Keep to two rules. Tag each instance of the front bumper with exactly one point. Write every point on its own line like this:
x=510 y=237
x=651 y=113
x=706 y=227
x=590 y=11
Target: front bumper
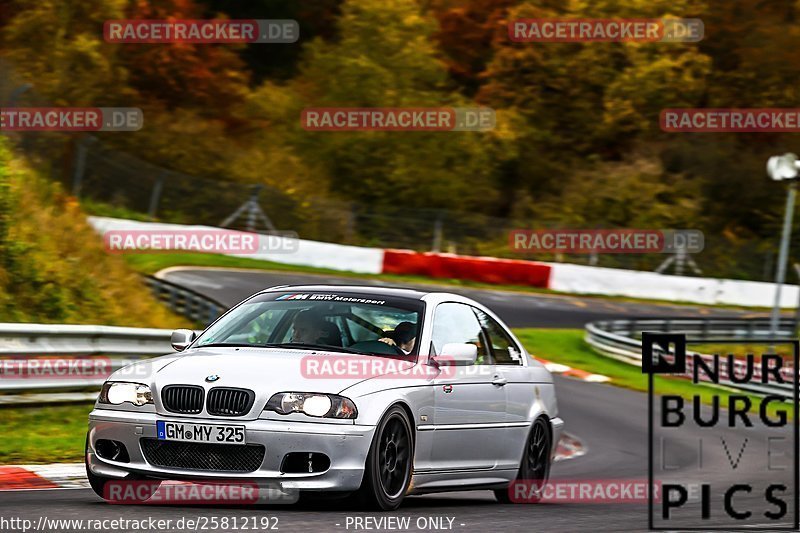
x=346 y=445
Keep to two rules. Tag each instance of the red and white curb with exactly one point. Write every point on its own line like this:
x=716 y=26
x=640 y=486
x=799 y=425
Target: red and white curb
x=564 y=370
x=73 y=475
x=569 y=447
x=52 y=476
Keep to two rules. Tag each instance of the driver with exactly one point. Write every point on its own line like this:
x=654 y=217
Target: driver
x=404 y=337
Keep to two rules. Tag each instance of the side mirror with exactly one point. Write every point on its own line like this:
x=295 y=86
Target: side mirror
x=181 y=338
x=458 y=354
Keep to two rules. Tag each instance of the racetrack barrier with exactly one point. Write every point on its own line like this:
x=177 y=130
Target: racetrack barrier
x=482 y=269
x=186 y=302
x=33 y=357
x=561 y=277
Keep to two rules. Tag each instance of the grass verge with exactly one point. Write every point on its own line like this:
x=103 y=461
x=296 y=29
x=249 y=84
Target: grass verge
x=40 y=435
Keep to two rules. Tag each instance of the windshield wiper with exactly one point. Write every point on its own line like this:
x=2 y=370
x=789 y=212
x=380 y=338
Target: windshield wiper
x=311 y=346
x=228 y=345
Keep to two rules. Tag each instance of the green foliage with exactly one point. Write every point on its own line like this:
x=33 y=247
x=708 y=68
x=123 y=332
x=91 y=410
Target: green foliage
x=386 y=58
x=53 y=267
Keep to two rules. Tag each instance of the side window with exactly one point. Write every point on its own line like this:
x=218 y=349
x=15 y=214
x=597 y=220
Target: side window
x=504 y=349
x=455 y=322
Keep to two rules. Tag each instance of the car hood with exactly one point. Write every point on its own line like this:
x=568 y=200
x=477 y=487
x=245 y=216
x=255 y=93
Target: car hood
x=264 y=370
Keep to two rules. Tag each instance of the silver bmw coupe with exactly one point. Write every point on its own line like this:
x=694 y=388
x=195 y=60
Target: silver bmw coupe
x=369 y=392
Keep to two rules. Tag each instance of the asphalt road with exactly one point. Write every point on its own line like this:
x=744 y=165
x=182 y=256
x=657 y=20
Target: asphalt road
x=517 y=309
x=611 y=422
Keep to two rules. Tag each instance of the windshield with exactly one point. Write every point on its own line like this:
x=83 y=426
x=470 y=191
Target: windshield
x=352 y=323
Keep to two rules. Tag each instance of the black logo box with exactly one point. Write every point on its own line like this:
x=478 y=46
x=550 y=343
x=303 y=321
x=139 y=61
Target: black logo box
x=654 y=345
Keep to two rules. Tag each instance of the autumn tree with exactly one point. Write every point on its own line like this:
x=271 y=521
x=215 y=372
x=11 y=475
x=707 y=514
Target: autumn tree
x=386 y=58
x=203 y=76
x=57 y=45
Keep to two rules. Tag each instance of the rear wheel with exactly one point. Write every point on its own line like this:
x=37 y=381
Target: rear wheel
x=534 y=469
x=387 y=475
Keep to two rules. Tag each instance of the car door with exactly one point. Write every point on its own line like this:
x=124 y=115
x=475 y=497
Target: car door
x=507 y=364
x=469 y=409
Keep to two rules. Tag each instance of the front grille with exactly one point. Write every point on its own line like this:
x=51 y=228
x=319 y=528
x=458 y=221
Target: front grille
x=183 y=399
x=225 y=401
x=203 y=456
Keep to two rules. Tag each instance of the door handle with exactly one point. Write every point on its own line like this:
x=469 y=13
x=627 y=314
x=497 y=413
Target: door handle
x=499 y=381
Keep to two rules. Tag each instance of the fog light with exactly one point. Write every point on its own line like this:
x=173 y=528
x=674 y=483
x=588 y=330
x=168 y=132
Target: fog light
x=305 y=463
x=112 y=450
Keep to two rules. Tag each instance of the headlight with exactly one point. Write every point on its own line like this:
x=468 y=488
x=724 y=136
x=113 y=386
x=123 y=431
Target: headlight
x=119 y=392
x=312 y=404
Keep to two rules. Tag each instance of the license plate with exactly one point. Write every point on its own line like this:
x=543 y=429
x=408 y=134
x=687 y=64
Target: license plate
x=200 y=432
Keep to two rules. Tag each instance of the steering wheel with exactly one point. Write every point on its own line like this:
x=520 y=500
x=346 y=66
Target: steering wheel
x=377 y=347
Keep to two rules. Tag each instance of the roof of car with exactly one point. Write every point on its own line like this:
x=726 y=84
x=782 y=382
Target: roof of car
x=397 y=292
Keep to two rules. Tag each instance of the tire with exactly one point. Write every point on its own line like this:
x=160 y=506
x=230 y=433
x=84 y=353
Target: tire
x=99 y=483
x=534 y=469
x=387 y=472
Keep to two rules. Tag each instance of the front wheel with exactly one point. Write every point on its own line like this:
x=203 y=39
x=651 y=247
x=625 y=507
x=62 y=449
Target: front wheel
x=387 y=473
x=534 y=469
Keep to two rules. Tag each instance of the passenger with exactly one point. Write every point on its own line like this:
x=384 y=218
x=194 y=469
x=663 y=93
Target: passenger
x=404 y=337
x=308 y=328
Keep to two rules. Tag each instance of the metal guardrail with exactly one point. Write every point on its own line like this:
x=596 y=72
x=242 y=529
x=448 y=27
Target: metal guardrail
x=37 y=357
x=50 y=360
x=186 y=302
x=620 y=339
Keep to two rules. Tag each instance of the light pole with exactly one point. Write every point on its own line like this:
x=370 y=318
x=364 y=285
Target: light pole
x=783 y=168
